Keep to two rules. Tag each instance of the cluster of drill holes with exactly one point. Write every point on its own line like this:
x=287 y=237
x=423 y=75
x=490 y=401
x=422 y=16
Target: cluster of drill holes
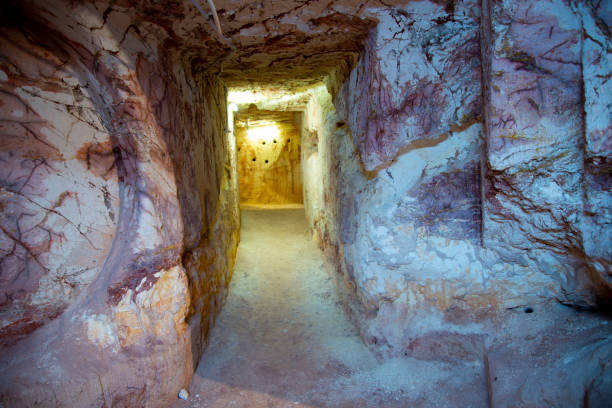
x=274 y=141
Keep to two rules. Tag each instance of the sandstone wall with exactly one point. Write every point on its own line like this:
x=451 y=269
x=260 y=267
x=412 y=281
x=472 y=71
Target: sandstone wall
x=404 y=162
x=116 y=175
x=544 y=166
x=317 y=127
x=464 y=177
x=458 y=185
x=269 y=163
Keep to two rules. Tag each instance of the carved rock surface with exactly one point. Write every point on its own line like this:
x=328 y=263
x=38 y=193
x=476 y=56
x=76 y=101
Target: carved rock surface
x=481 y=194
x=60 y=190
x=116 y=173
x=544 y=180
x=475 y=215
x=456 y=169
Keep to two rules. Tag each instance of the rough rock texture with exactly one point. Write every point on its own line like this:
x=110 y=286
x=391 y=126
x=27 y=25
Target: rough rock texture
x=552 y=357
x=539 y=188
x=268 y=144
x=457 y=172
x=463 y=219
x=60 y=188
x=418 y=80
x=596 y=61
x=267 y=43
x=116 y=173
x=476 y=189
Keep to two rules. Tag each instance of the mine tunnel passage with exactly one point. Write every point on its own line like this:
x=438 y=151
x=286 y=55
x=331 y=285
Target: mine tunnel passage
x=452 y=158
x=283 y=336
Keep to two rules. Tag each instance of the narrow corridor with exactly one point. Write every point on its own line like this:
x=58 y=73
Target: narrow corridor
x=283 y=340
x=454 y=163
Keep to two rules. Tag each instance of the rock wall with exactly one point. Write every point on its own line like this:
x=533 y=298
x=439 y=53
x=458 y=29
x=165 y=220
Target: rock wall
x=269 y=170
x=464 y=176
x=116 y=175
x=541 y=201
x=458 y=177
x=60 y=186
x=407 y=227
x=317 y=127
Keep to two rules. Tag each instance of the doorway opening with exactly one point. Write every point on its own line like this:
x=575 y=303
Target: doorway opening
x=268 y=154
x=296 y=131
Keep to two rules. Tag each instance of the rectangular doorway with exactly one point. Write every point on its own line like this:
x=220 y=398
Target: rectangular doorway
x=268 y=152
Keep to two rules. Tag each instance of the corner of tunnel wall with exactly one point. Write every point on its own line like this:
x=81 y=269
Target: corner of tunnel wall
x=210 y=260
x=317 y=126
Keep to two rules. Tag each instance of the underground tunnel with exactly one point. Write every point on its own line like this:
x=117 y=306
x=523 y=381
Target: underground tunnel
x=306 y=203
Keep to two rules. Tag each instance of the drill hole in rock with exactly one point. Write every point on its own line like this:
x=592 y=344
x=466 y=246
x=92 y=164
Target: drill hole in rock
x=528 y=310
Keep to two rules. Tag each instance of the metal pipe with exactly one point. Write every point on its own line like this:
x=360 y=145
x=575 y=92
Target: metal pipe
x=215 y=16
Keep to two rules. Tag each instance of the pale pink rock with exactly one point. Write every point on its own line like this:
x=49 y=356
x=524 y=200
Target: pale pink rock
x=457 y=173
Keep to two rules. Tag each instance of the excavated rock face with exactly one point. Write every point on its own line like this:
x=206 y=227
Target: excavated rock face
x=268 y=144
x=538 y=169
x=57 y=229
x=455 y=160
x=288 y=44
x=116 y=174
x=480 y=188
x=481 y=181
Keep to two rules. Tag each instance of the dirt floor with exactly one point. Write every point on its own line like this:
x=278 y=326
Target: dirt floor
x=283 y=340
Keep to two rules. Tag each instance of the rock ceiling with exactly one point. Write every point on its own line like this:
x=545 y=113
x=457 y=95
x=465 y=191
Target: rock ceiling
x=256 y=117
x=286 y=44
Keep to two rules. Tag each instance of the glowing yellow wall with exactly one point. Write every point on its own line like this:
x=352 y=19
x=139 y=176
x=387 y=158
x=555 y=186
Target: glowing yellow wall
x=269 y=161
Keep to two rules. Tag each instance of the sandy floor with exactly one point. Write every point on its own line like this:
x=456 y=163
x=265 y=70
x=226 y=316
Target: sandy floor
x=283 y=340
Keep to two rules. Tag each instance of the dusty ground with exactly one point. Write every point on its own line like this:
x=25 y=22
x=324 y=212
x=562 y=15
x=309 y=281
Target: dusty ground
x=283 y=340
